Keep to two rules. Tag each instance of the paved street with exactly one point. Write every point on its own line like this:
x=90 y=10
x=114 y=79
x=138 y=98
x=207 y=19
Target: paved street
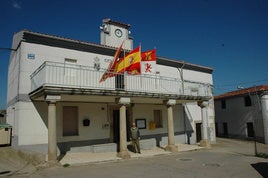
x=228 y=158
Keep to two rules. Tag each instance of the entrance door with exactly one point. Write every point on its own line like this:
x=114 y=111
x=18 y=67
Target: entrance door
x=217 y=130
x=225 y=129
x=250 y=129
x=198 y=132
x=116 y=127
x=70 y=121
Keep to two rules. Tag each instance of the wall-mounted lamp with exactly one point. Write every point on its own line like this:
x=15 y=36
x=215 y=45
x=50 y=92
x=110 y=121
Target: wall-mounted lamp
x=86 y=122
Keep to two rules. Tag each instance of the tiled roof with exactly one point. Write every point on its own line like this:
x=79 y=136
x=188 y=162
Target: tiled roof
x=251 y=90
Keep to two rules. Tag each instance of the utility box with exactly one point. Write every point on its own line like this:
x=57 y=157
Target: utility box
x=5 y=134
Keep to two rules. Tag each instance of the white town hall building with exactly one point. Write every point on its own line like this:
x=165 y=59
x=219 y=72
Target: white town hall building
x=56 y=104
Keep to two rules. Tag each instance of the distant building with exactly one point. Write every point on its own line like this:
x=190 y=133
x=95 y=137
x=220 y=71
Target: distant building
x=56 y=103
x=240 y=113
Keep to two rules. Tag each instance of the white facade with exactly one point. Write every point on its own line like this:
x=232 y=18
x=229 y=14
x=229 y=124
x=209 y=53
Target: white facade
x=45 y=65
x=242 y=114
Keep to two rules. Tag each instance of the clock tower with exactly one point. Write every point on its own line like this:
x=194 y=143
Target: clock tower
x=114 y=33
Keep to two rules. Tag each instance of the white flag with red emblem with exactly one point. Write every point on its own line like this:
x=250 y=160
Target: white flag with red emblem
x=148 y=62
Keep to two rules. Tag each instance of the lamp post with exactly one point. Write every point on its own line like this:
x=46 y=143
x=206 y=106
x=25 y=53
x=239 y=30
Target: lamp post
x=254 y=135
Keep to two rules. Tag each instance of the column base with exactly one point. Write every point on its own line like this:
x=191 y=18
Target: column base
x=51 y=157
x=52 y=163
x=205 y=143
x=123 y=154
x=172 y=148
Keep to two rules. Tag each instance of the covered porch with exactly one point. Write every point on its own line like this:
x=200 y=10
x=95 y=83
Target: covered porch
x=51 y=84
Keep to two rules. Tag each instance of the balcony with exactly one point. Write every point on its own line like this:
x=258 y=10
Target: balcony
x=77 y=79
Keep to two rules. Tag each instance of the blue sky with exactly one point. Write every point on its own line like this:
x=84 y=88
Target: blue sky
x=230 y=36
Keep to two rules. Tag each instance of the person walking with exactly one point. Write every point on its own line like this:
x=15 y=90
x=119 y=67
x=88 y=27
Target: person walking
x=135 y=137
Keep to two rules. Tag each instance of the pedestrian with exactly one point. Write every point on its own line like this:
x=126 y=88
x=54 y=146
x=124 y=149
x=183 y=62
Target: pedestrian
x=135 y=138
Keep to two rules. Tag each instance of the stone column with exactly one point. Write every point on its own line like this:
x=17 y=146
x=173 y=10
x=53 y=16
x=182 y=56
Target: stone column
x=123 y=153
x=171 y=137
x=264 y=104
x=204 y=141
x=52 y=128
x=52 y=142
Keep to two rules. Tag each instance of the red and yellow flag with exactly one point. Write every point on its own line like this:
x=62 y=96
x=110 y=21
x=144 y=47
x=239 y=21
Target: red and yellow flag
x=109 y=71
x=148 y=55
x=129 y=63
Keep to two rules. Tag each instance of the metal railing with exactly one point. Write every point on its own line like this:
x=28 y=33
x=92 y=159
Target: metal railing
x=85 y=77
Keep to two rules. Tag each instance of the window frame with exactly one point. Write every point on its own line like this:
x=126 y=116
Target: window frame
x=223 y=104
x=247 y=101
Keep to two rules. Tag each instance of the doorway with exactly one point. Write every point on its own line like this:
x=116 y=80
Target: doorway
x=116 y=127
x=70 y=121
x=198 y=132
x=217 y=130
x=120 y=82
x=225 y=129
x=250 y=129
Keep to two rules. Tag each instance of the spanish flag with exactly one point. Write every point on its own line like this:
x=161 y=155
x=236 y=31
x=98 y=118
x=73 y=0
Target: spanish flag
x=129 y=63
x=148 y=61
x=109 y=71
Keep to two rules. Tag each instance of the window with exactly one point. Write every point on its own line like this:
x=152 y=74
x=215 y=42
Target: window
x=223 y=104
x=247 y=100
x=70 y=121
x=158 y=118
x=69 y=67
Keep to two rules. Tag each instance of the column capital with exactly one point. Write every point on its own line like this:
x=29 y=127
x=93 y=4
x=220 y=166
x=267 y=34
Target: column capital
x=122 y=100
x=170 y=102
x=202 y=104
x=53 y=98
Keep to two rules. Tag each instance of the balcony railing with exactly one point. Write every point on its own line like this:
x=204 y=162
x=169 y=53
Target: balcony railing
x=85 y=77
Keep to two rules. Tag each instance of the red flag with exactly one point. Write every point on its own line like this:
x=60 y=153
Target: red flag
x=109 y=71
x=148 y=55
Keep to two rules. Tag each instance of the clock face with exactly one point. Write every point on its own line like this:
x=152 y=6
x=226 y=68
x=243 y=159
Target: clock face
x=118 y=33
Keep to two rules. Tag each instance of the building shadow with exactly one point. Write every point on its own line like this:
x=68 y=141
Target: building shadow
x=262 y=168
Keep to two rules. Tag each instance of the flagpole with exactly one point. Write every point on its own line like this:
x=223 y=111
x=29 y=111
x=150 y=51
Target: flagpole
x=155 y=72
x=140 y=68
x=124 y=68
x=108 y=71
